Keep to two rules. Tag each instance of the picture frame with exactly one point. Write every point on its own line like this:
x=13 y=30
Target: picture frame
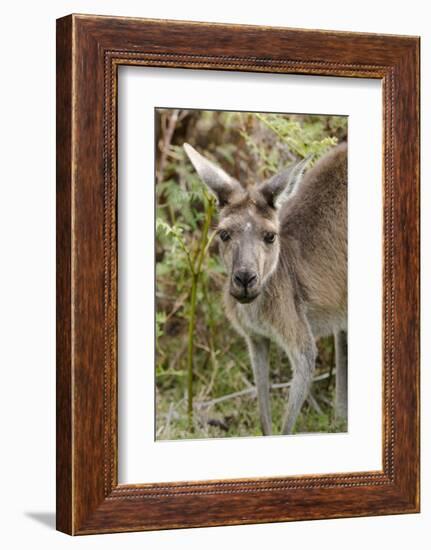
x=89 y=51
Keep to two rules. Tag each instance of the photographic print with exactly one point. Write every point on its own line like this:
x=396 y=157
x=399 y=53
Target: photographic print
x=251 y=273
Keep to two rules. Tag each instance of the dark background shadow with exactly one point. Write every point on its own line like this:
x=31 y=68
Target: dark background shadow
x=45 y=518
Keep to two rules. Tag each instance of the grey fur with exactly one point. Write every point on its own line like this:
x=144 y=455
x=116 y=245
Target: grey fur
x=341 y=375
x=292 y=290
x=281 y=186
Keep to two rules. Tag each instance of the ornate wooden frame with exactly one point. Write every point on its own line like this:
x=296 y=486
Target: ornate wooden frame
x=89 y=51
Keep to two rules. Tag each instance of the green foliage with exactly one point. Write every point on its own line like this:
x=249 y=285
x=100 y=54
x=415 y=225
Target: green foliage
x=199 y=356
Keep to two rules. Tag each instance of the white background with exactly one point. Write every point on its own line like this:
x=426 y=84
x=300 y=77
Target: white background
x=27 y=310
x=141 y=458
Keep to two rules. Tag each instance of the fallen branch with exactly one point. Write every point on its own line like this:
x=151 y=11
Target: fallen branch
x=251 y=392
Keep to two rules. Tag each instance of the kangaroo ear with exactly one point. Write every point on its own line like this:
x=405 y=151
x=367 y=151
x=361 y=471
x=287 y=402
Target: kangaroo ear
x=220 y=183
x=281 y=186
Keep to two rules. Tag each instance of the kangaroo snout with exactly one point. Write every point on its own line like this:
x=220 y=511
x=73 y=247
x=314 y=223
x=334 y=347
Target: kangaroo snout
x=244 y=278
x=244 y=285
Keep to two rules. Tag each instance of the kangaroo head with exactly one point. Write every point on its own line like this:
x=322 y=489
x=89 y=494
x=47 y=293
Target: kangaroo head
x=248 y=229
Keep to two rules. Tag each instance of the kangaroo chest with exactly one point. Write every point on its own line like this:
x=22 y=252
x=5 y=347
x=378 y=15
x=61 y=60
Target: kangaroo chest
x=251 y=320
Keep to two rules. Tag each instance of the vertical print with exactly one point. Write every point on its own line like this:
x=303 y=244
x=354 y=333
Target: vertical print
x=251 y=273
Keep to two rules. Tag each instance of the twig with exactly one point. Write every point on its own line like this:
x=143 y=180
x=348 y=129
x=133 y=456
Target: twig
x=179 y=303
x=246 y=380
x=167 y=139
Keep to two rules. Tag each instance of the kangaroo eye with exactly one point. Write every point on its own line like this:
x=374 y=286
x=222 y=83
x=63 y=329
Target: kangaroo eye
x=269 y=237
x=224 y=235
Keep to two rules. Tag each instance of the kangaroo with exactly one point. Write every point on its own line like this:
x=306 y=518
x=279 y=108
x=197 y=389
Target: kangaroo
x=284 y=246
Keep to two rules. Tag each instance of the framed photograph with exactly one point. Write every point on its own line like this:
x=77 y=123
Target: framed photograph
x=237 y=274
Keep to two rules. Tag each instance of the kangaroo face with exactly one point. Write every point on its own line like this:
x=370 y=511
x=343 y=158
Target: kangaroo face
x=248 y=228
x=249 y=247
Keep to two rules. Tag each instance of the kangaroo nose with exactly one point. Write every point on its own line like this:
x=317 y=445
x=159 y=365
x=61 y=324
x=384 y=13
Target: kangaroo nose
x=244 y=278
